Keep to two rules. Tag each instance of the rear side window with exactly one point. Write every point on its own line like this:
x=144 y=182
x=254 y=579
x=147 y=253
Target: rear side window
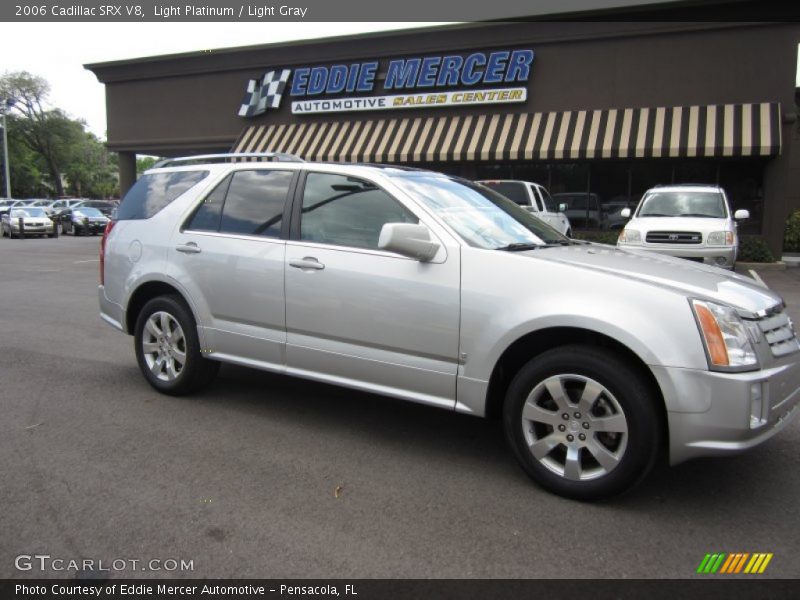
x=255 y=202
x=207 y=216
x=152 y=192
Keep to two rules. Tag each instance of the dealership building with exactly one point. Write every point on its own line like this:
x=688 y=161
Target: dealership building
x=608 y=109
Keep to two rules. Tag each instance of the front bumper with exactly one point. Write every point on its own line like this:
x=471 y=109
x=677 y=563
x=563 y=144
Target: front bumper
x=699 y=252
x=714 y=414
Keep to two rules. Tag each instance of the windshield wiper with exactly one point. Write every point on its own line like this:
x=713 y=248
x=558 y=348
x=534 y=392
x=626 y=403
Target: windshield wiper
x=700 y=215
x=519 y=247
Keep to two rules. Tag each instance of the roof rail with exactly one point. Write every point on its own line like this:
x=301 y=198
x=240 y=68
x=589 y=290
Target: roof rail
x=231 y=156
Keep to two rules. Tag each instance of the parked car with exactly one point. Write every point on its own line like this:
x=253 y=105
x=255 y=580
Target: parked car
x=5 y=205
x=434 y=289
x=82 y=221
x=583 y=210
x=688 y=221
x=34 y=222
x=612 y=212
x=107 y=208
x=535 y=199
x=58 y=206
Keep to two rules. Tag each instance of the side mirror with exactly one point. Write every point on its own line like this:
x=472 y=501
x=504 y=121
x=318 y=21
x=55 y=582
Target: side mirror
x=562 y=207
x=625 y=213
x=408 y=239
x=741 y=214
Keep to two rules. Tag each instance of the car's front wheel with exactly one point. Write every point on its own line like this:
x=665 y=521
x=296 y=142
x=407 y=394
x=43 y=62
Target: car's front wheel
x=582 y=422
x=168 y=348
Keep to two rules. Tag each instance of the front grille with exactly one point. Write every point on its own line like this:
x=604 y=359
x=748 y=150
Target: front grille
x=674 y=237
x=779 y=333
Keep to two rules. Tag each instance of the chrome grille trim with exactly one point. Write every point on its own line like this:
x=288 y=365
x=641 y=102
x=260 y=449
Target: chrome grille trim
x=674 y=237
x=779 y=333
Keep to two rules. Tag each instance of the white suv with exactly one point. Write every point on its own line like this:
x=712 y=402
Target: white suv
x=688 y=221
x=437 y=290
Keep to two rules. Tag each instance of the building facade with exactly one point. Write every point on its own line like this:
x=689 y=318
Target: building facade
x=601 y=111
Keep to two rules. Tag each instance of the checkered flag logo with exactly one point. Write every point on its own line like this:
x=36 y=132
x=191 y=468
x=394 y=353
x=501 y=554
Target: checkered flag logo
x=265 y=93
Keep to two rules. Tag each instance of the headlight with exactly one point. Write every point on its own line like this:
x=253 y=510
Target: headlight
x=630 y=236
x=724 y=335
x=720 y=238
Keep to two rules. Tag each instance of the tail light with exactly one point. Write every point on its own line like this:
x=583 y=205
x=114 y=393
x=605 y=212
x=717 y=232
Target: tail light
x=106 y=231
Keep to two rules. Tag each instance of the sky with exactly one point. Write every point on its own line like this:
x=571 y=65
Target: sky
x=58 y=51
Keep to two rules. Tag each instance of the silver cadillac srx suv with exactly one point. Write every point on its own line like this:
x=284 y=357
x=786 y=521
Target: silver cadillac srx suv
x=433 y=289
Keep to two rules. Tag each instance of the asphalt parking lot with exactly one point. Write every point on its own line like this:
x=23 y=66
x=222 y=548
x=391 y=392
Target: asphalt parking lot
x=242 y=479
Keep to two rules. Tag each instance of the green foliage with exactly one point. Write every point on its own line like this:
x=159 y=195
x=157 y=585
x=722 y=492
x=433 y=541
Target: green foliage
x=52 y=154
x=601 y=237
x=753 y=248
x=145 y=162
x=791 y=236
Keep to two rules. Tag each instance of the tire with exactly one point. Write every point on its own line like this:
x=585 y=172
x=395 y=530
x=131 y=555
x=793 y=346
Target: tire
x=571 y=456
x=159 y=356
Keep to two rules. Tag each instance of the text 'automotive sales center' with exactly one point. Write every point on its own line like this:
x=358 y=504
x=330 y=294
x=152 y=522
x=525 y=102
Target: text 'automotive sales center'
x=603 y=110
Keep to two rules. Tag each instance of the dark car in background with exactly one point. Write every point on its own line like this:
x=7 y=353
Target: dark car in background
x=82 y=221
x=105 y=207
x=584 y=209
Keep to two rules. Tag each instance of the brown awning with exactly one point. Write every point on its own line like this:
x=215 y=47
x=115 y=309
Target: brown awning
x=720 y=130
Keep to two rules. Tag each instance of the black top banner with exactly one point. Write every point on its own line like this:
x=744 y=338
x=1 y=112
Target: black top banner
x=362 y=10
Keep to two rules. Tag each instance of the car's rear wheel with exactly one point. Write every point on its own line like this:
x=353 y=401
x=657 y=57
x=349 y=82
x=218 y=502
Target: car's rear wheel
x=168 y=348
x=582 y=422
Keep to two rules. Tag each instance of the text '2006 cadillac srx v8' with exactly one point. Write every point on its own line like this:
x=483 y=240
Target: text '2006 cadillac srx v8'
x=432 y=289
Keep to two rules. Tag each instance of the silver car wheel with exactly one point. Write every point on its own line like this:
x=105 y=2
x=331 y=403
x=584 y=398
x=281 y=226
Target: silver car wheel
x=164 y=346
x=575 y=427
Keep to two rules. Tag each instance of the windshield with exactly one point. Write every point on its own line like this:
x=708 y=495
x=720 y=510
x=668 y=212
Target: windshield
x=683 y=204
x=481 y=217
x=28 y=212
x=86 y=211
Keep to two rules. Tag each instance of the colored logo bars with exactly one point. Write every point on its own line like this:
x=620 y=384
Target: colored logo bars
x=741 y=562
x=265 y=93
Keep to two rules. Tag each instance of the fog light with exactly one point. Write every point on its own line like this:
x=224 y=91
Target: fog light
x=721 y=260
x=758 y=406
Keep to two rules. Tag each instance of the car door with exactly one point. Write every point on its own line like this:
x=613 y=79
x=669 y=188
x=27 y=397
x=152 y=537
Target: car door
x=229 y=256
x=360 y=316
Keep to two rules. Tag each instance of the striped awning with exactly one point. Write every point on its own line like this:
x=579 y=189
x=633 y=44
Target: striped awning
x=721 y=130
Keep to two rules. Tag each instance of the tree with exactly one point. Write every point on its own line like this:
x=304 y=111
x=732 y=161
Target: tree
x=56 y=145
x=42 y=130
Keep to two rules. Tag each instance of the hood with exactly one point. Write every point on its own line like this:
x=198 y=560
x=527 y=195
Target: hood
x=705 y=224
x=694 y=280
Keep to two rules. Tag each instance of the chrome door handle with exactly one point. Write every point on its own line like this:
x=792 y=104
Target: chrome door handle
x=188 y=248
x=307 y=262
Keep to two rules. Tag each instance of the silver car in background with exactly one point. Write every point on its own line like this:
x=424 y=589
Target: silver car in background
x=694 y=222
x=436 y=290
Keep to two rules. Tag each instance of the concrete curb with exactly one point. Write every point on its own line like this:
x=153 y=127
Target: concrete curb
x=744 y=267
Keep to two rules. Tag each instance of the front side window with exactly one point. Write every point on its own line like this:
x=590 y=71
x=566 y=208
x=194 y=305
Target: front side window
x=347 y=211
x=255 y=202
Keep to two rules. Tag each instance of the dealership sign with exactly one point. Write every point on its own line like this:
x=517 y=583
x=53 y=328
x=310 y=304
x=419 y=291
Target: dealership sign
x=432 y=81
